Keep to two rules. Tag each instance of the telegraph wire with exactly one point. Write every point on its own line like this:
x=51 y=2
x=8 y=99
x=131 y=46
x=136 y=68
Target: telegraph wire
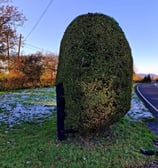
x=31 y=46
x=40 y=18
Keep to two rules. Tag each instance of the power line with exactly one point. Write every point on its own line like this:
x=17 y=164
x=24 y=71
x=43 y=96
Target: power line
x=31 y=46
x=41 y=50
x=40 y=18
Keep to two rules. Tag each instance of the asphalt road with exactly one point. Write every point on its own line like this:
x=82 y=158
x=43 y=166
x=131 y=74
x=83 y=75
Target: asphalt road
x=148 y=93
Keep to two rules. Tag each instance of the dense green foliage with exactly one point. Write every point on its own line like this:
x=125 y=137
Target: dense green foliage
x=95 y=67
x=147 y=78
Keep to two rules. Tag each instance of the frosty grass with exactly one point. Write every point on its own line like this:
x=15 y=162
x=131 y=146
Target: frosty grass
x=36 y=105
x=27 y=106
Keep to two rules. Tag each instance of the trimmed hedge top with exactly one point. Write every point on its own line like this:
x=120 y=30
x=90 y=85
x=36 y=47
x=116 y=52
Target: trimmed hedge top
x=95 y=67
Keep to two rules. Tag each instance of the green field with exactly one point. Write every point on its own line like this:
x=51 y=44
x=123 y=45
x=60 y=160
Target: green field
x=36 y=146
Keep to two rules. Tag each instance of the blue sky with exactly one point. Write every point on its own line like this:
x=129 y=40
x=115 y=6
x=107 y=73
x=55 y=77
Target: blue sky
x=137 y=18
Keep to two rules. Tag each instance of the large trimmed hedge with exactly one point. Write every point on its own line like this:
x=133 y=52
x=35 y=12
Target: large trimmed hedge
x=95 y=67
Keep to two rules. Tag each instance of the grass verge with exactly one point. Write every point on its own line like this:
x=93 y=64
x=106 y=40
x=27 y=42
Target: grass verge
x=36 y=146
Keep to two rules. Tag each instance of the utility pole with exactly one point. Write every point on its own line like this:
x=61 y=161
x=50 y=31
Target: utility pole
x=8 y=54
x=7 y=42
x=19 y=46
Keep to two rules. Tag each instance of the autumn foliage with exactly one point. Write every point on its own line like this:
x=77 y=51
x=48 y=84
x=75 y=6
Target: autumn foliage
x=34 y=70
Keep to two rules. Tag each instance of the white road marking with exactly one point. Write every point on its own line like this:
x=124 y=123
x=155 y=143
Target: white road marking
x=146 y=99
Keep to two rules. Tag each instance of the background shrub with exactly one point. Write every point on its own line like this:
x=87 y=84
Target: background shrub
x=95 y=67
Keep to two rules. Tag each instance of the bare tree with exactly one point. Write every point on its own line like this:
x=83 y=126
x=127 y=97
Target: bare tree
x=50 y=65
x=10 y=19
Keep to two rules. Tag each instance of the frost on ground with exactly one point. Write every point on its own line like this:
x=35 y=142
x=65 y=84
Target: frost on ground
x=39 y=104
x=138 y=111
x=27 y=106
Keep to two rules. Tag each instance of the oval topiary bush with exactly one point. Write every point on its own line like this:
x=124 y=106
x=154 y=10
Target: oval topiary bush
x=95 y=67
